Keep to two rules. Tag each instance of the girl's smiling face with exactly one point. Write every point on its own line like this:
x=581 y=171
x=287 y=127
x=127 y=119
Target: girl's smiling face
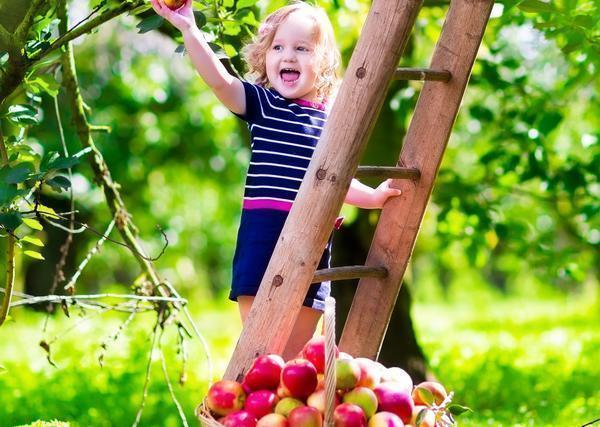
x=291 y=62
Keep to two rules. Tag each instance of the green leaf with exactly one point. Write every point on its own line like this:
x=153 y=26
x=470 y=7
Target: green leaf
x=45 y=83
x=231 y=29
x=200 y=19
x=33 y=240
x=245 y=3
x=549 y=121
x=33 y=223
x=230 y=50
x=218 y=50
x=16 y=175
x=7 y=193
x=536 y=6
x=249 y=18
x=59 y=182
x=421 y=416
x=22 y=114
x=456 y=409
x=425 y=395
x=34 y=254
x=10 y=220
x=63 y=162
x=150 y=23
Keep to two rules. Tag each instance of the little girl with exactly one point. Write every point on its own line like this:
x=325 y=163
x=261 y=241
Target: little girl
x=294 y=60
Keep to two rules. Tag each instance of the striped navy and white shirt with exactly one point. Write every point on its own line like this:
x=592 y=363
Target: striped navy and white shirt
x=284 y=134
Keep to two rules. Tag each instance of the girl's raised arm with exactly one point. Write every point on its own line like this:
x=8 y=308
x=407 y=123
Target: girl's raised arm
x=227 y=88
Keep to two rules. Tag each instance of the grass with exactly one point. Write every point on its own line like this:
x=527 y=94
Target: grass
x=515 y=362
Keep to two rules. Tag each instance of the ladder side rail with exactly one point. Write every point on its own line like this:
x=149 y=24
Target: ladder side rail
x=322 y=192
x=423 y=149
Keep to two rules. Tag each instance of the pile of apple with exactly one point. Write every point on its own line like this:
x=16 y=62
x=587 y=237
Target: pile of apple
x=292 y=394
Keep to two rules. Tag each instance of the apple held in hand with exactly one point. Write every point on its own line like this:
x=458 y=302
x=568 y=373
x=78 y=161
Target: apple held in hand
x=385 y=419
x=272 y=420
x=299 y=377
x=174 y=4
x=305 y=416
x=264 y=373
x=392 y=397
x=225 y=397
x=349 y=415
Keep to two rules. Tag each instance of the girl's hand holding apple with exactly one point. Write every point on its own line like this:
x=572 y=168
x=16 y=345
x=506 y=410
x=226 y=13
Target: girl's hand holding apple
x=177 y=12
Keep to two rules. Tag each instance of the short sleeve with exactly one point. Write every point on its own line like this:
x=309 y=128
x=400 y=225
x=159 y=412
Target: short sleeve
x=253 y=103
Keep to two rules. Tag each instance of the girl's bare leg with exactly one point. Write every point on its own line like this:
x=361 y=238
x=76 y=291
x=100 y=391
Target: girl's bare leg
x=304 y=328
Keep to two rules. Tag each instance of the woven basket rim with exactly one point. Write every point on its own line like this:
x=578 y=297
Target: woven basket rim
x=205 y=417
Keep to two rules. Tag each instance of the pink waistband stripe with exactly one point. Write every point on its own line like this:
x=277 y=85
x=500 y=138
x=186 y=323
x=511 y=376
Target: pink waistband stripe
x=267 y=204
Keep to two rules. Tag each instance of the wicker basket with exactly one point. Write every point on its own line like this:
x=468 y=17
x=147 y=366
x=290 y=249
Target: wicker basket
x=205 y=417
x=207 y=420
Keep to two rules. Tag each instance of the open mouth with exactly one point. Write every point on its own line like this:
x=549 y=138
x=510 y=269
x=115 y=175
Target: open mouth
x=289 y=76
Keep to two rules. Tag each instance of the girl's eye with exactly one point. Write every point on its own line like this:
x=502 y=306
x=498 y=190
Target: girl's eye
x=277 y=47
x=302 y=49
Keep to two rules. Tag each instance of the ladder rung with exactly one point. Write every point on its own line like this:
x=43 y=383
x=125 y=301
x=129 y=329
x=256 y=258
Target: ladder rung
x=387 y=172
x=422 y=74
x=348 y=272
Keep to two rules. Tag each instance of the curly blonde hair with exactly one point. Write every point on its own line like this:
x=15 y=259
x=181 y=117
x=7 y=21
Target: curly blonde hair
x=255 y=52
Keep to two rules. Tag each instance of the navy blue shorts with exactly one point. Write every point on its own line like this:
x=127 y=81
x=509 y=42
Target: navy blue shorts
x=257 y=237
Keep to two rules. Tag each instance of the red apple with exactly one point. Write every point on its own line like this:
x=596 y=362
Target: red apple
x=370 y=374
x=429 y=392
x=272 y=420
x=261 y=402
x=264 y=373
x=349 y=415
x=392 y=397
x=305 y=416
x=425 y=420
x=225 y=397
x=363 y=397
x=347 y=374
x=385 y=419
x=174 y=4
x=239 y=419
x=299 y=376
x=314 y=352
x=287 y=405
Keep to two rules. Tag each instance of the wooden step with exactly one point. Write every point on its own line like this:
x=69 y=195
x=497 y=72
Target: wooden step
x=422 y=74
x=348 y=272
x=387 y=172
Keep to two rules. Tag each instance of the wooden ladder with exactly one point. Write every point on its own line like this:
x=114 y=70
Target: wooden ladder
x=334 y=164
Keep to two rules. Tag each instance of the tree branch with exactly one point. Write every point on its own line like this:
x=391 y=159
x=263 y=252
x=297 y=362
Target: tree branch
x=78 y=31
x=10 y=252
